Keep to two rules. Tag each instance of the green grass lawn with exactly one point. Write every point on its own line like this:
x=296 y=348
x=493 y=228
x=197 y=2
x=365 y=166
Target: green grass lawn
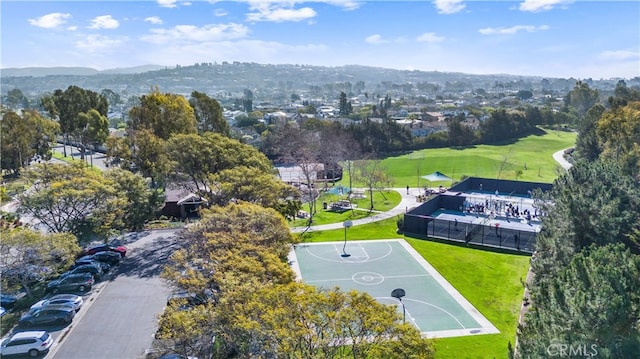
x=492 y=282
x=71 y=159
x=382 y=201
x=489 y=161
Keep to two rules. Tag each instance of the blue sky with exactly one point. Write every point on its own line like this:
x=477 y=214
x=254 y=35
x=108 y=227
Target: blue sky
x=549 y=38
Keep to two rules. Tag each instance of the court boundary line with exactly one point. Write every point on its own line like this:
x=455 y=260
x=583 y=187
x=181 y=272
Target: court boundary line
x=486 y=327
x=485 y=324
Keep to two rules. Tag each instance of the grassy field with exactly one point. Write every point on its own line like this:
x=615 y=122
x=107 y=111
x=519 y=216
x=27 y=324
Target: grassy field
x=382 y=201
x=71 y=159
x=492 y=282
x=489 y=161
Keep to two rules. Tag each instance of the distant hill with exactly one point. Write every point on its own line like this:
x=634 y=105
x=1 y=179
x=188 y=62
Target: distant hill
x=272 y=81
x=73 y=71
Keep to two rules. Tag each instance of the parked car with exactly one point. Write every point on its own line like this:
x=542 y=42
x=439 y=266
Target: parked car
x=80 y=282
x=185 y=300
x=72 y=300
x=94 y=268
x=86 y=260
x=8 y=301
x=109 y=257
x=51 y=314
x=32 y=343
x=106 y=248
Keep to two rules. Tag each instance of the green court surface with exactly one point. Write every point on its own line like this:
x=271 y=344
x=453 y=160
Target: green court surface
x=380 y=266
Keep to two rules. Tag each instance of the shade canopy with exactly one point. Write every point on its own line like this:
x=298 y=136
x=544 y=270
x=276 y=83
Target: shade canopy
x=436 y=177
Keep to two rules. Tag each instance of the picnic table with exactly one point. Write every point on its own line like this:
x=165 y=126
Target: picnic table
x=341 y=206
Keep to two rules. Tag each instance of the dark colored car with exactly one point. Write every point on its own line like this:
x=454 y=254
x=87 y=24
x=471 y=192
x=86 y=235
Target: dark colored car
x=185 y=300
x=80 y=282
x=122 y=250
x=51 y=314
x=109 y=257
x=94 y=268
x=8 y=301
x=87 y=260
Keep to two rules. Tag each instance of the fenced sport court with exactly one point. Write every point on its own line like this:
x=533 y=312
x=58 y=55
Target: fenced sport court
x=378 y=267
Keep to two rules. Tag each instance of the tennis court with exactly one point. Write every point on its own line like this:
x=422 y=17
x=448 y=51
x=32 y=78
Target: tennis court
x=380 y=266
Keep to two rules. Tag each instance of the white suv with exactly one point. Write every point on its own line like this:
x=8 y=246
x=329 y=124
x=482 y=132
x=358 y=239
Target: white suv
x=30 y=342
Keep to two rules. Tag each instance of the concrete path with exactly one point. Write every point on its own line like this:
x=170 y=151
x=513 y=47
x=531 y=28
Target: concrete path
x=559 y=157
x=407 y=203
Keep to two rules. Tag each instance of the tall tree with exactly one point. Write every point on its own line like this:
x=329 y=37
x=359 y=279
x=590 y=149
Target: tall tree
x=163 y=114
x=22 y=250
x=591 y=304
x=70 y=198
x=597 y=191
x=112 y=98
x=66 y=106
x=140 y=201
x=345 y=105
x=25 y=136
x=94 y=131
x=459 y=134
x=208 y=114
x=374 y=176
x=301 y=147
x=299 y=320
x=199 y=156
x=149 y=156
x=15 y=99
x=619 y=133
x=588 y=146
x=252 y=185
x=581 y=98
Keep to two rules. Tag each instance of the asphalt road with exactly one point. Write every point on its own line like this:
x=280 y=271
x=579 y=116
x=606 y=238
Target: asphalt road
x=121 y=321
x=97 y=159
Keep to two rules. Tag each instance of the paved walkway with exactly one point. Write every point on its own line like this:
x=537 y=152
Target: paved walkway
x=408 y=202
x=559 y=157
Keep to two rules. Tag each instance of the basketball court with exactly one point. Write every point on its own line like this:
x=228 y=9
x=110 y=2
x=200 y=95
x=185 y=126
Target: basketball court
x=379 y=267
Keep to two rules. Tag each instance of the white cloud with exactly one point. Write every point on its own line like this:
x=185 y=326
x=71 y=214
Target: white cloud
x=278 y=14
x=104 y=22
x=191 y=33
x=543 y=5
x=346 y=4
x=618 y=55
x=154 y=20
x=50 y=21
x=220 y=12
x=72 y=28
x=449 y=6
x=429 y=37
x=375 y=39
x=98 y=43
x=512 y=30
x=167 y=3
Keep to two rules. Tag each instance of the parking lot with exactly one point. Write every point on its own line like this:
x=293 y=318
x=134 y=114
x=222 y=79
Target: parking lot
x=120 y=313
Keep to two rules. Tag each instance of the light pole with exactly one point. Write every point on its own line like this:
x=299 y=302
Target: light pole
x=346 y=225
x=399 y=293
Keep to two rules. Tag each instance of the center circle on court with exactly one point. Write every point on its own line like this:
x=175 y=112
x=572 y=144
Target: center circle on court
x=367 y=278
